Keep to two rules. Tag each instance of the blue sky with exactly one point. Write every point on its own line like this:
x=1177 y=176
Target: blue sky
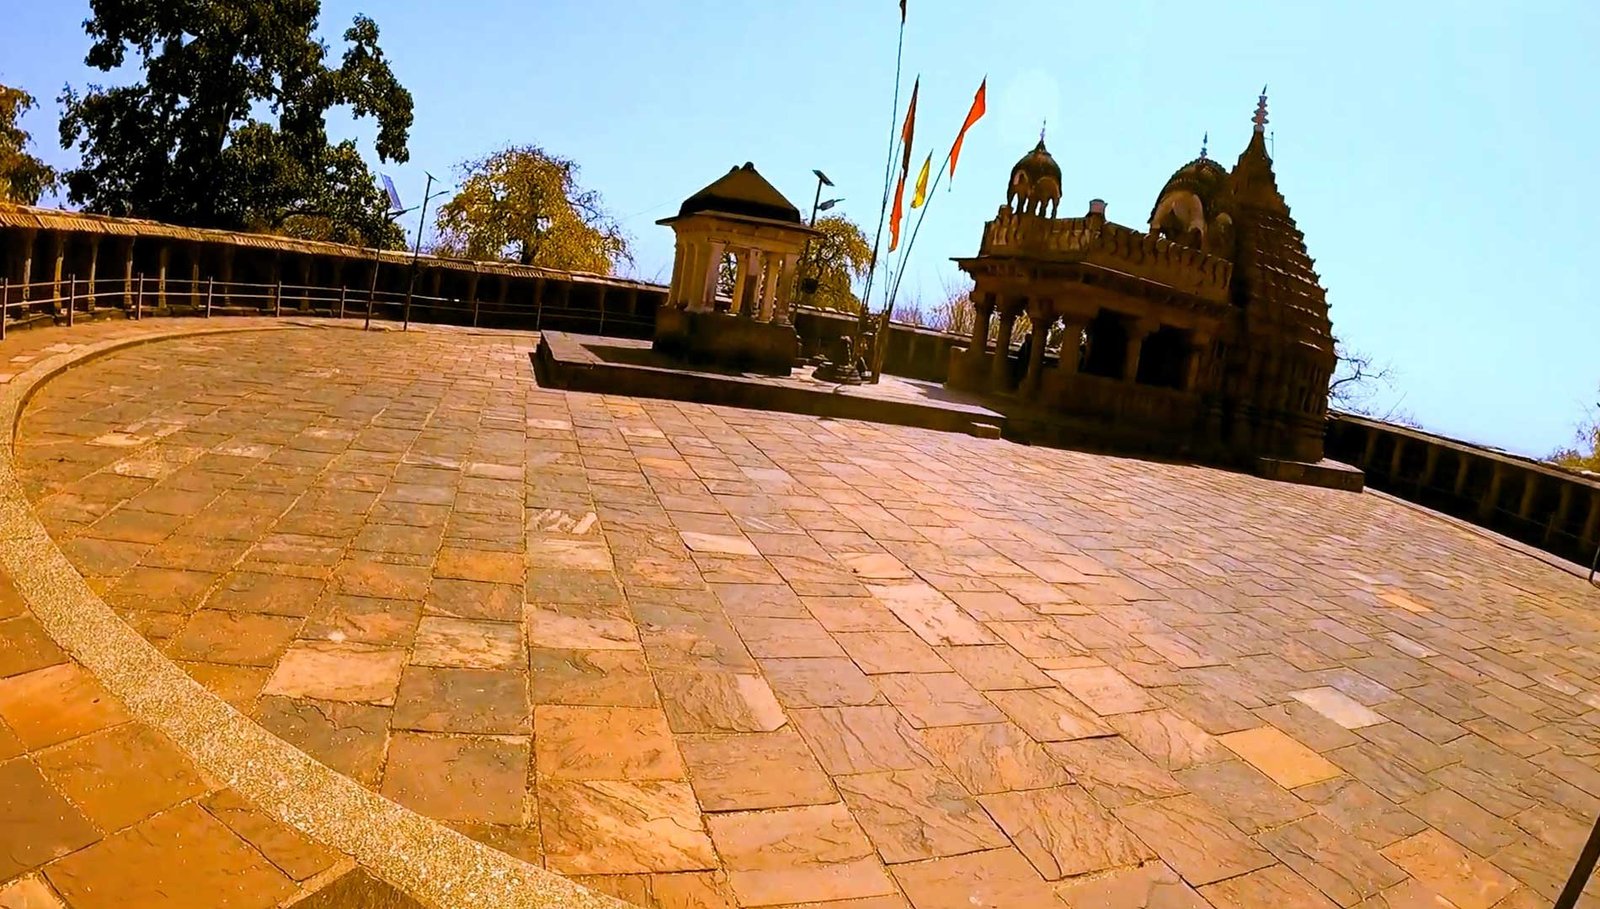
x=1440 y=162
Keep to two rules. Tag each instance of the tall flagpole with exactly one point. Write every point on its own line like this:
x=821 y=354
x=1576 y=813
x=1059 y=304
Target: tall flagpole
x=888 y=167
x=927 y=203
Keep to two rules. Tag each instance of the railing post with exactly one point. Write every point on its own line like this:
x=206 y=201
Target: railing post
x=210 y=289
x=72 y=297
x=277 y=299
x=138 y=299
x=341 y=302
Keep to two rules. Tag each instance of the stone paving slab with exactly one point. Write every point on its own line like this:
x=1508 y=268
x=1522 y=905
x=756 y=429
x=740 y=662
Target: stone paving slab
x=701 y=657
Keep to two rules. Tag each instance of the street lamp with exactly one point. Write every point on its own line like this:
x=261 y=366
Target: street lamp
x=816 y=203
x=416 y=250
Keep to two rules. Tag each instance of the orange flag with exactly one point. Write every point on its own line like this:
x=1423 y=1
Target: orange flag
x=973 y=115
x=909 y=128
x=896 y=212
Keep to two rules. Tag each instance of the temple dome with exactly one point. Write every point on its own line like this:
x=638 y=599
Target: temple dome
x=1193 y=207
x=1035 y=181
x=1202 y=176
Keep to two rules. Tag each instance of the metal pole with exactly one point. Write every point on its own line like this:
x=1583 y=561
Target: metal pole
x=210 y=288
x=416 y=250
x=72 y=298
x=1580 y=871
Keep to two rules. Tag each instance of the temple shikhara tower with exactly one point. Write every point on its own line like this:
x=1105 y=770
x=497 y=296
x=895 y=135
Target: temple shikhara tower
x=1207 y=335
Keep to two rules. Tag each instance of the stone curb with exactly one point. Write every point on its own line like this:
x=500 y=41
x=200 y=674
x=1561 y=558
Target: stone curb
x=416 y=854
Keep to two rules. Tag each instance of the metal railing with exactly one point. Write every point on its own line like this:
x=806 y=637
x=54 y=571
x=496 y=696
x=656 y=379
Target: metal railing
x=72 y=298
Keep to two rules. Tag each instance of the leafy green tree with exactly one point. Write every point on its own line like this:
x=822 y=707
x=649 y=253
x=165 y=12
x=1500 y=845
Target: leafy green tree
x=835 y=261
x=523 y=204
x=23 y=178
x=226 y=125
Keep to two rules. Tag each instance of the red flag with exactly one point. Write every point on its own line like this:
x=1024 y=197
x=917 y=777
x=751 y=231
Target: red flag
x=977 y=111
x=896 y=212
x=909 y=129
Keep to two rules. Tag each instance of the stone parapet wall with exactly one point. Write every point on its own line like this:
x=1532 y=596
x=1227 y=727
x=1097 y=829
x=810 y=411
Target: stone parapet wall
x=1546 y=507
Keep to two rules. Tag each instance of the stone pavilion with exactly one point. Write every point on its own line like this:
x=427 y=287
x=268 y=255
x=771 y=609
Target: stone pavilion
x=743 y=217
x=1205 y=336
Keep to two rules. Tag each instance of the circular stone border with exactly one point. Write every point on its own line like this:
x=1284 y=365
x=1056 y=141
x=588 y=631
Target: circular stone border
x=419 y=855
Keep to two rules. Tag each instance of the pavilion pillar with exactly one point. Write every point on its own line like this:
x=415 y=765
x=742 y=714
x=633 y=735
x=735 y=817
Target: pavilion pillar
x=500 y=296
x=58 y=253
x=163 y=258
x=982 y=311
x=226 y=273
x=274 y=278
x=25 y=271
x=769 y=289
x=94 y=265
x=1072 y=343
x=785 y=302
x=680 y=256
x=1197 y=350
x=1137 y=332
x=1041 y=319
x=708 y=285
x=127 y=274
x=1000 y=366
x=1396 y=456
x=472 y=287
x=742 y=282
x=194 y=275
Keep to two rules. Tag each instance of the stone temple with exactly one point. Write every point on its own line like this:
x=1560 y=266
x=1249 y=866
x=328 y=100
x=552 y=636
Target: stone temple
x=1208 y=335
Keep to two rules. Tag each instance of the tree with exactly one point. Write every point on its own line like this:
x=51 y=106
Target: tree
x=226 y=127
x=1586 y=454
x=23 y=178
x=523 y=204
x=1359 y=380
x=836 y=261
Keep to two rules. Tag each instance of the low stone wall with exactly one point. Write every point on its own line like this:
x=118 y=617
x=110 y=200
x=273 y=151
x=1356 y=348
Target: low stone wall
x=1543 y=506
x=916 y=353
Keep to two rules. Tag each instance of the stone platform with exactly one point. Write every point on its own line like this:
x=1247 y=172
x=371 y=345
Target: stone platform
x=620 y=366
x=301 y=613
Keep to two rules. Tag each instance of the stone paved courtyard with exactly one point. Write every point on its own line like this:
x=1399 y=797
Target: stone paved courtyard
x=704 y=657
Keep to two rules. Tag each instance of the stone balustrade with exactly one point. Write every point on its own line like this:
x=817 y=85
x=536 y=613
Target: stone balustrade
x=1552 y=509
x=1094 y=240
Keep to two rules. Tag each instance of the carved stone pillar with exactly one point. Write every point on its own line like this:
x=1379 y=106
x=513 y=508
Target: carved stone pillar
x=1491 y=496
x=982 y=311
x=1396 y=456
x=1072 y=329
x=1563 y=510
x=58 y=252
x=1000 y=367
x=194 y=276
x=1430 y=467
x=1041 y=317
x=680 y=253
x=163 y=259
x=783 y=306
x=708 y=287
x=24 y=272
x=226 y=274
x=1138 y=330
x=772 y=270
x=94 y=266
x=127 y=273
x=1530 y=495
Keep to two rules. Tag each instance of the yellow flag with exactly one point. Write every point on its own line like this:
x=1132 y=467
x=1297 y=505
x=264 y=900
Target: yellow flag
x=921 y=194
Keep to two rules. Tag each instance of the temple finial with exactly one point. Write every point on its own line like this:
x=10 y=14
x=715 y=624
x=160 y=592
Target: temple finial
x=1205 y=140
x=1260 y=119
x=1042 y=124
